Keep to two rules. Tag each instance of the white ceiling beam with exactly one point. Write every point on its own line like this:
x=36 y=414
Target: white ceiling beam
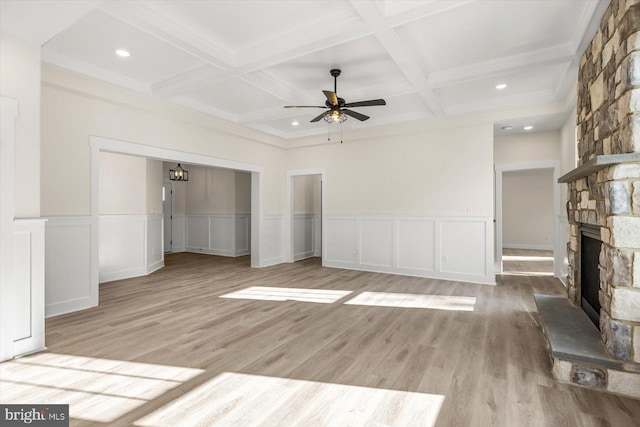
x=501 y=66
x=187 y=81
x=143 y=16
x=425 y=10
x=395 y=48
x=503 y=103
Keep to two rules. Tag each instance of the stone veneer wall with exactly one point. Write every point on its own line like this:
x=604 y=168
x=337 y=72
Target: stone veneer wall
x=609 y=123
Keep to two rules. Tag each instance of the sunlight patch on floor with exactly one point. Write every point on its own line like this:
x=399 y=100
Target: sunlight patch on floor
x=527 y=273
x=243 y=399
x=100 y=390
x=526 y=258
x=436 y=302
x=322 y=296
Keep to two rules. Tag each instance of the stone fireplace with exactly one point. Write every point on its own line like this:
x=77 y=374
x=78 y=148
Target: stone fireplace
x=604 y=190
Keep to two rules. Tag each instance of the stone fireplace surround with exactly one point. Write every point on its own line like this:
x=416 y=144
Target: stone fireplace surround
x=604 y=191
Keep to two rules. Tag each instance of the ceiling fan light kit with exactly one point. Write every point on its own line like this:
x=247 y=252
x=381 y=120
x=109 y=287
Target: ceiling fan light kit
x=337 y=107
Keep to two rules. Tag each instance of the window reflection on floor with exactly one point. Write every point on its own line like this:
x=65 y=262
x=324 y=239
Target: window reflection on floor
x=101 y=390
x=435 y=302
x=527 y=262
x=264 y=293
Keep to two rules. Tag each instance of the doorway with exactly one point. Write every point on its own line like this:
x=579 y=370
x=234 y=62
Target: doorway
x=556 y=238
x=306 y=202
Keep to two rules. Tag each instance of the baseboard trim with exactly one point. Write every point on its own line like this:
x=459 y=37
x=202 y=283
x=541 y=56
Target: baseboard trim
x=304 y=255
x=71 y=306
x=218 y=252
x=272 y=261
x=121 y=275
x=427 y=274
x=155 y=266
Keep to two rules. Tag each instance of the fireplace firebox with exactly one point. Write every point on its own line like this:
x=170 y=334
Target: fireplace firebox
x=590 y=245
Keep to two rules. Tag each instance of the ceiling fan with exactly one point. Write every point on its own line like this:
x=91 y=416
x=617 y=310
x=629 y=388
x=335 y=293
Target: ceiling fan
x=338 y=107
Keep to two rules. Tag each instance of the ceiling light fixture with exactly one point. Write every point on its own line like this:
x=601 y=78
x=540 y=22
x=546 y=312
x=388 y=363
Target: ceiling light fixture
x=507 y=127
x=335 y=116
x=178 y=174
x=527 y=127
x=295 y=123
x=122 y=53
x=501 y=86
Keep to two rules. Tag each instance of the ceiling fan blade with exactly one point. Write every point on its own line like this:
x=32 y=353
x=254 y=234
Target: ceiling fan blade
x=370 y=103
x=318 y=118
x=331 y=96
x=305 y=106
x=355 y=115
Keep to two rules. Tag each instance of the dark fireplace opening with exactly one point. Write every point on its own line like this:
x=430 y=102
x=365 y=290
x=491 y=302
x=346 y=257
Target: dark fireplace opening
x=590 y=244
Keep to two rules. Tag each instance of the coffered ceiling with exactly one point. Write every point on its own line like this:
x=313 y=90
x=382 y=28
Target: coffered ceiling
x=244 y=60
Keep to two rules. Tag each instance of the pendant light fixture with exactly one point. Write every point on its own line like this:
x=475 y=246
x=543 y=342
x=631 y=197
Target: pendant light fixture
x=178 y=174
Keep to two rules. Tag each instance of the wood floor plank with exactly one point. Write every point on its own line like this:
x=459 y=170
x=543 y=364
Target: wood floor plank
x=174 y=349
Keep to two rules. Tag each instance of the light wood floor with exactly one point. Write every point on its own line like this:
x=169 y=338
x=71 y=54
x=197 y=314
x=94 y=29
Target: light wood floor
x=528 y=262
x=169 y=349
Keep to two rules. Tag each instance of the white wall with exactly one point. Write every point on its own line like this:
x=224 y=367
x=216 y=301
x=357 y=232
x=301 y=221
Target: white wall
x=123 y=184
x=527 y=147
x=243 y=192
x=527 y=206
x=210 y=190
x=73 y=108
x=444 y=172
x=154 y=186
x=418 y=203
x=20 y=80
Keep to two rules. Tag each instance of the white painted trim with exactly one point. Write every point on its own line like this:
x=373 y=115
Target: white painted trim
x=8 y=113
x=288 y=227
x=99 y=144
x=84 y=302
x=34 y=261
x=500 y=169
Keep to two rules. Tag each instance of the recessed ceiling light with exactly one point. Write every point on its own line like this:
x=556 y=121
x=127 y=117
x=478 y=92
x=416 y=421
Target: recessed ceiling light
x=507 y=127
x=122 y=53
x=501 y=86
x=295 y=123
x=527 y=127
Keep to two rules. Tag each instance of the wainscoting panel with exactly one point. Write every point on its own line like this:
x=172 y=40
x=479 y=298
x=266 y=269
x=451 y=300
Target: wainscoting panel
x=219 y=234
x=243 y=234
x=130 y=246
x=222 y=234
x=303 y=236
x=68 y=267
x=178 y=233
x=155 y=241
x=197 y=231
x=376 y=242
x=341 y=241
x=122 y=249
x=272 y=240
x=416 y=244
x=463 y=247
x=28 y=283
x=453 y=248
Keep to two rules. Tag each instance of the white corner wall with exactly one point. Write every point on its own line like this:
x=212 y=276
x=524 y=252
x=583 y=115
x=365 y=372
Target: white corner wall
x=306 y=216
